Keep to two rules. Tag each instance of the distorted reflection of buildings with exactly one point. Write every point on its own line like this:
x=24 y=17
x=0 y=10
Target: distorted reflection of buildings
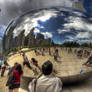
x=78 y=5
x=21 y=40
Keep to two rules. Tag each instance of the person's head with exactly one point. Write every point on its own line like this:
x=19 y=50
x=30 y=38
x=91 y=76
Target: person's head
x=23 y=54
x=15 y=64
x=33 y=59
x=47 y=68
x=90 y=56
x=19 y=69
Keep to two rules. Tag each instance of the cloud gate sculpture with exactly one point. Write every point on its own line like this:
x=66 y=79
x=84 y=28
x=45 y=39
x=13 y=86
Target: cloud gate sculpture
x=40 y=33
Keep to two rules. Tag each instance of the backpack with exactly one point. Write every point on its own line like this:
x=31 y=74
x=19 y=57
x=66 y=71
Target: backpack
x=10 y=80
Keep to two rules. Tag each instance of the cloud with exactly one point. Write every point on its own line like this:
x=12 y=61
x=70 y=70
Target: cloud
x=77 y=29
x=36 y=30
x=78 y=23
x=60 y=31
x=45 y=16
x=83 y=35
x=32 y=21
x=27 y=27
x=13 y=8
x=47 y=35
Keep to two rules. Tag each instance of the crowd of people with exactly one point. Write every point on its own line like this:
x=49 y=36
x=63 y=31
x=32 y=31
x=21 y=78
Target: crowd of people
x=45 y=82
x=16 y=71
x=51 y=52
x=79 y=52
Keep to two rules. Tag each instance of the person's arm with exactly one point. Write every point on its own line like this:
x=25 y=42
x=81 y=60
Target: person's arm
x=39 y=75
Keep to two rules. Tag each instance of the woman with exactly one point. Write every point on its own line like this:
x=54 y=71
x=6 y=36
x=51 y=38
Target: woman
x=35 y=62
x=17 y=74
x=3 y=70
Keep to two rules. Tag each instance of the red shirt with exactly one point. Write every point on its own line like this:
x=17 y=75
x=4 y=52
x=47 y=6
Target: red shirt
x=17 y=77
x=4 y=67
x=35 y=63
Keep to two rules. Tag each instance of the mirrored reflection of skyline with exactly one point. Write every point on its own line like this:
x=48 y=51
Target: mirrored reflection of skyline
x=54 y=24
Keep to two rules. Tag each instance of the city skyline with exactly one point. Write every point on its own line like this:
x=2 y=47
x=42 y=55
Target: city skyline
x=59 y=24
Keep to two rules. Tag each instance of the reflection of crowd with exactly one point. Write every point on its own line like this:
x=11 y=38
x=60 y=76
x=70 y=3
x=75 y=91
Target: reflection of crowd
x=80 y=53
x=47 y=50
x=89 y=61
x=83 y=53
x=46 y=77
x=15 y=73
x=3 y=66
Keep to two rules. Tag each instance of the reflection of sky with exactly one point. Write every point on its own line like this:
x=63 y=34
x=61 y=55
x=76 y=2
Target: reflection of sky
x=66 y=28
x=2 y=30
x=88 y=6
x=58 y=24
x=51 y=26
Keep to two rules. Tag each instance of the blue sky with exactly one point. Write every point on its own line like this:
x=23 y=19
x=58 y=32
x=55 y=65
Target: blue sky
x=2 y=29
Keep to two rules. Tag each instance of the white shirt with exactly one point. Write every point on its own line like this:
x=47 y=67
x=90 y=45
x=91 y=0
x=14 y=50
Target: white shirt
x=46 y=84
x=26 y=59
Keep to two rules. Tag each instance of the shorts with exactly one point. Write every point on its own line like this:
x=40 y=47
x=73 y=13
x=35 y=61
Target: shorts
x=26 y=63
x=13 y=86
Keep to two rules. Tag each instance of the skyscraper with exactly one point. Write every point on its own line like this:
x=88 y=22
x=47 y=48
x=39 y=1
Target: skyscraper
x=77 y=4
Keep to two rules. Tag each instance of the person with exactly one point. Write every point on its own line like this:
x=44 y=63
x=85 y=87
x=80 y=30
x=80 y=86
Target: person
x=89 y=61
x=56 y=54
x=0 y=65
x=5 y=61
x=35 y=62
x=3 y=68
x=79 y=53
x=17 y=74
x=12 y=68
x=37 y=52
x=26 y=61
x=1 y=62
x=49 y=51
x=43 y=51
x=46 y=82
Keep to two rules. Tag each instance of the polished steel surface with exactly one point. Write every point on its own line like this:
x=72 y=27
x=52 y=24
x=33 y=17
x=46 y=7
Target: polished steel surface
x=45 y=30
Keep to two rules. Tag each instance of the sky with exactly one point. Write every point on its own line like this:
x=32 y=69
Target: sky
x=11 y=9
x=58 y=25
